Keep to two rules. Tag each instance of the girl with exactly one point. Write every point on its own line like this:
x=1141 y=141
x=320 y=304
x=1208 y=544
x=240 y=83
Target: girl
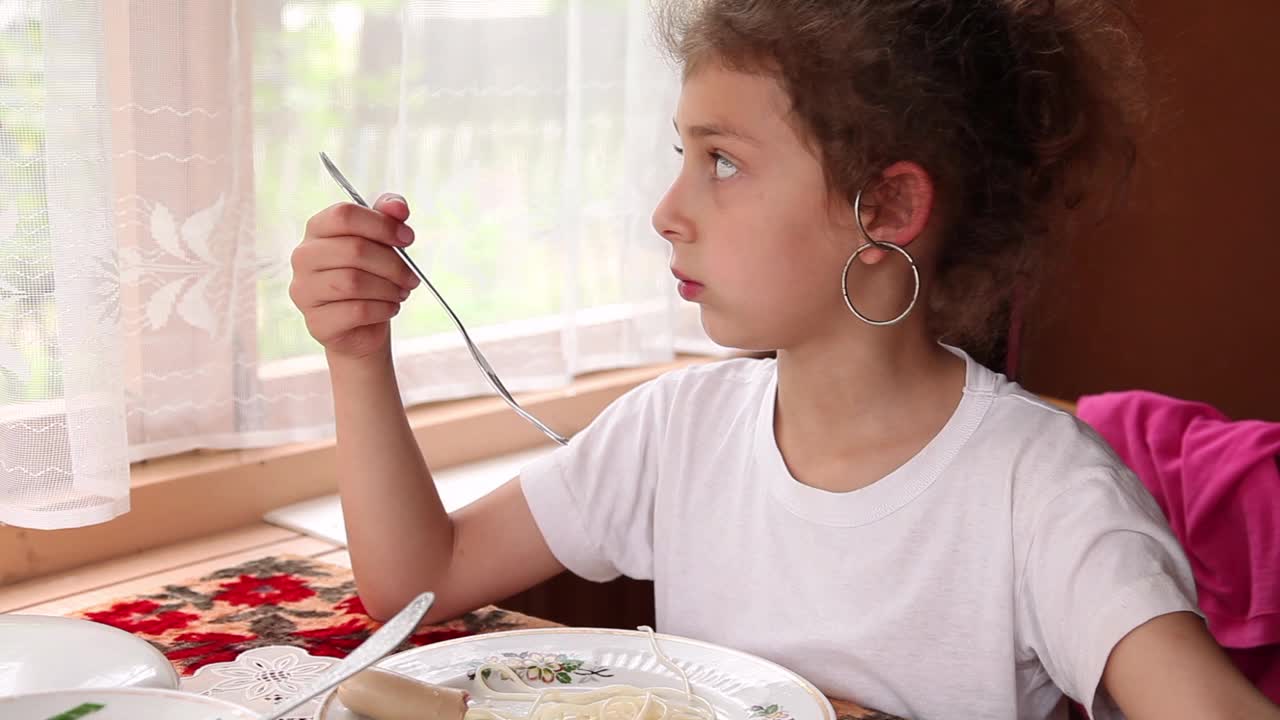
x=873 y=509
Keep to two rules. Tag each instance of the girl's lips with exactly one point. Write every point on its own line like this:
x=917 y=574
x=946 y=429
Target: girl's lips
x=689 y=290
x=688 y=287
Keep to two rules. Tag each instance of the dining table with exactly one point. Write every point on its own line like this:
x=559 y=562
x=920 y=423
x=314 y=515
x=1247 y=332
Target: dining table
x=255 y=632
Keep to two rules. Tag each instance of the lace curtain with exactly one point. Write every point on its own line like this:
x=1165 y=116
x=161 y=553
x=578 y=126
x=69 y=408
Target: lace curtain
x=158 y=161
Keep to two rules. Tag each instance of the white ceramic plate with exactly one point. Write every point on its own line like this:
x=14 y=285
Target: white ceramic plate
x=39 y=653
x=738 y=685
x=122 y=704
x=261 y=678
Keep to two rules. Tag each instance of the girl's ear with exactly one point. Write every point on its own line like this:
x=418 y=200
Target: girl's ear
x=896 y=207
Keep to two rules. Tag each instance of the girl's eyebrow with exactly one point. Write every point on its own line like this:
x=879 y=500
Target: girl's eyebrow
x=714 y=130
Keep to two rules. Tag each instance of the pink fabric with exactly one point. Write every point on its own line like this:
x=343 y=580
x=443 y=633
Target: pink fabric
x=1218 y=482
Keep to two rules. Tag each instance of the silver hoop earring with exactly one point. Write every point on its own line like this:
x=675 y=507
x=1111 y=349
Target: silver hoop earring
x=884 y=246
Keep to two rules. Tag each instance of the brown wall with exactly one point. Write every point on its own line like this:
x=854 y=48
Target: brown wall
x=570 y=600
x=1180 y=291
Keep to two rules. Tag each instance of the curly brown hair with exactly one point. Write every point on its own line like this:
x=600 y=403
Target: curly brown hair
x=1015 y=107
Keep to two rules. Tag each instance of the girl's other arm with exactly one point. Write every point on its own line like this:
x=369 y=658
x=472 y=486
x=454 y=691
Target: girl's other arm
x=1171 y=667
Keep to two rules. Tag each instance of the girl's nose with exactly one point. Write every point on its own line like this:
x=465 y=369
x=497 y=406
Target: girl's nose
x=669 y=219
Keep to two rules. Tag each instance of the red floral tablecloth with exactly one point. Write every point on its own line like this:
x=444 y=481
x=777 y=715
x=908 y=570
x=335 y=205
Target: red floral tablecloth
x=288 y=600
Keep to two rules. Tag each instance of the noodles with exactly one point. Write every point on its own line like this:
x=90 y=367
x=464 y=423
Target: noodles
x=662 y=658
x=609 y=702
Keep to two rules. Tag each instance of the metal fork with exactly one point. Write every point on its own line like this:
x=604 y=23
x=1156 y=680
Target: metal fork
x=373 y=649
x=475 y=351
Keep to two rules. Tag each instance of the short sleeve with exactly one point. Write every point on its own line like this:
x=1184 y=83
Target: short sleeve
x=593 y=498
x=1101 y=562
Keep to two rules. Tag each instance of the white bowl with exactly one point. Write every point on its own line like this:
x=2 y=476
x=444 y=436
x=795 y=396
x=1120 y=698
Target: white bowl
x=122 y=704
x=39 y=653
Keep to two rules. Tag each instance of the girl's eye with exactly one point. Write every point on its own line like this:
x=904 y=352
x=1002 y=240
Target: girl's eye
x=725 y=168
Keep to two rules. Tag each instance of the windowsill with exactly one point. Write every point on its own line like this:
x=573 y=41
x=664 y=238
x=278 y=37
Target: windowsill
x=204 y=492
x=497 y=337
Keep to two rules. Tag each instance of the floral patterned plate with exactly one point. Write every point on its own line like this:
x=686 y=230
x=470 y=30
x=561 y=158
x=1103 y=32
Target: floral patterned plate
x=738 y=685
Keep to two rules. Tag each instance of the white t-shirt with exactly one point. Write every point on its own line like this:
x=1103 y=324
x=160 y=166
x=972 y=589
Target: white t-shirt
x=1002 y=562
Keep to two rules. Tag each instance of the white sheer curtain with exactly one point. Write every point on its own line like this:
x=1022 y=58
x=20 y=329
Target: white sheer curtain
x=158 y=160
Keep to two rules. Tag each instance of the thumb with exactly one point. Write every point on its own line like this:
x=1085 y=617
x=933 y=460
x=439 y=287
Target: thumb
x=393 y=205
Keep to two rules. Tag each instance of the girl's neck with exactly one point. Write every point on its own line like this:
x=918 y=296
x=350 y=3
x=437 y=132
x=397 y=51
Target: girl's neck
x=872 y=396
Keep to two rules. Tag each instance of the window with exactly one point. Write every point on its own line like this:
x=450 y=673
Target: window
x=531 y=139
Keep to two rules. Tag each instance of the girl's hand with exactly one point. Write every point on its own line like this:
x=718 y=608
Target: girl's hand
x=347 y=281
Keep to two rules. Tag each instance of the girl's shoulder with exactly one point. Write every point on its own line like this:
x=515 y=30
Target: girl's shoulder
x=707 y=390
x=727 y=378
x=733 y=369
x=1052 y=457
x=1021 y=423
x=1022 y=419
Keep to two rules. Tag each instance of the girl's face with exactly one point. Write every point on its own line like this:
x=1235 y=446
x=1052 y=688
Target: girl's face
x=748 y=216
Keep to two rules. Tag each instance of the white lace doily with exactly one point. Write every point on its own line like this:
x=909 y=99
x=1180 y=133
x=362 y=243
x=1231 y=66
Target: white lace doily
x=260 y=678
